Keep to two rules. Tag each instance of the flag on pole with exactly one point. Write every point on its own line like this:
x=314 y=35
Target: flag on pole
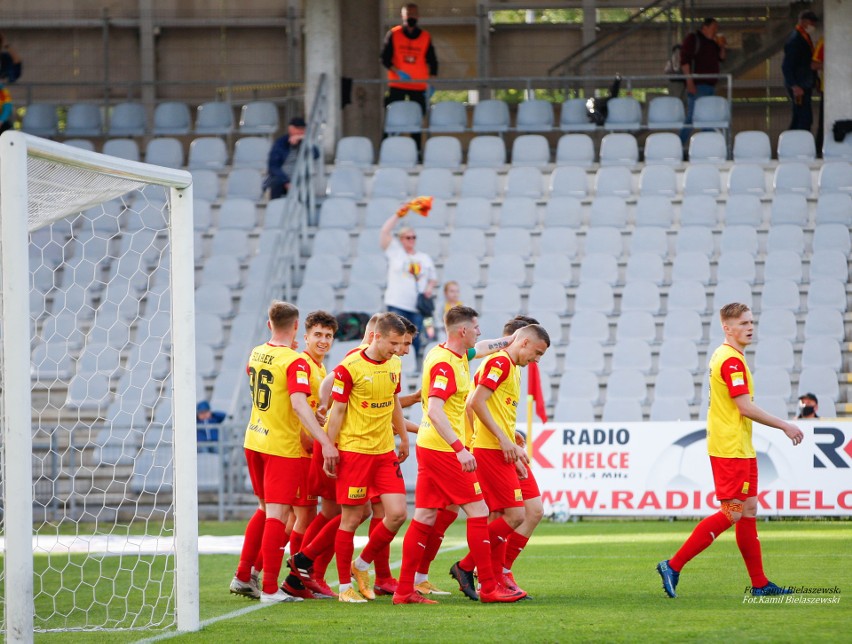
x=534 y=390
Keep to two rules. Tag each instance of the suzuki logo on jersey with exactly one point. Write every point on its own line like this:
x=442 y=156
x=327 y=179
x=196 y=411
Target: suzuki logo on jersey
x=510 y=401
x=830 y=441
x=357 y=493
x=380 y=405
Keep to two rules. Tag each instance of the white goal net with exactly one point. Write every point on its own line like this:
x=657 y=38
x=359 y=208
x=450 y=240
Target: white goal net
x=99 y=507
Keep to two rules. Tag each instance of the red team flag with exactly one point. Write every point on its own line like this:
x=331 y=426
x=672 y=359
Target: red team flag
x=534 y=390
x=420 y=205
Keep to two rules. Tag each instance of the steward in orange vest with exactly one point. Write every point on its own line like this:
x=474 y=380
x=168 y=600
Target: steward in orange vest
x=408 y=54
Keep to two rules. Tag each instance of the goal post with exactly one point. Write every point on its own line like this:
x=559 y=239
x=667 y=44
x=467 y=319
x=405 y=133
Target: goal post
x=41 y=183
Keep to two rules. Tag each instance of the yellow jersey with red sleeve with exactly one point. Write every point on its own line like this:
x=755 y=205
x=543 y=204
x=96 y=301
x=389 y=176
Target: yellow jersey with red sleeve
x=368 y=388
x=317 y=375
x=446 y=375
x=728 y=431
x=502 y=376
x=274 y=373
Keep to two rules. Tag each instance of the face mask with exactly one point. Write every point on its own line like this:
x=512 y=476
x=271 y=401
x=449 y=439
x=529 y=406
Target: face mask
x=811 y=30
x=411 y=22
x=806 y=410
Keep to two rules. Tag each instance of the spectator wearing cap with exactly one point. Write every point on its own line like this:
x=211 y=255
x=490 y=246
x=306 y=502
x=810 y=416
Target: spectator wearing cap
x=808 y=406
x=206 y=431
x=799 y=76
x=282 y=159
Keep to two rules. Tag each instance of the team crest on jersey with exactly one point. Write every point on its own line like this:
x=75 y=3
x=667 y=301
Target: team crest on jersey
x=494 y=374
x=337 y=387
x=393 y=377
x=476 y=488
x=357 y=493
x=737 y=379
x=518 y=495
x=440 y=382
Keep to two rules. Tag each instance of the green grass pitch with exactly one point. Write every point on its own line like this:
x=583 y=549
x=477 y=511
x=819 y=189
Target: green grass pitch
x=592 y=581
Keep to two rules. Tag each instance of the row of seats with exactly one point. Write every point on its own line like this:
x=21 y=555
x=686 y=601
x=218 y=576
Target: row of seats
x=171 y=118
x=576 y=149
x=571 y=181
x=625 y=113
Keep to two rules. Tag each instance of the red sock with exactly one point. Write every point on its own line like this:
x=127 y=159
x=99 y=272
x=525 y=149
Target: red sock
x=467 y=562
x=314 y=528
x=381 y=559
x=251 y=544
x=322 y=561
x=443 y=521
x=413 y=547
x=344 y=547
x=517 y=543
x=498 y=533
x=380 y=538
x=749 y=546
x=258 y=563
x=273 y=552
x=480 y=548
x=324 y=539
x=702 y=536
x=296 y=540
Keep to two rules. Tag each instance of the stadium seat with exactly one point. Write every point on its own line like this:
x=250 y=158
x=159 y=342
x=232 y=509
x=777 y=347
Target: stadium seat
x=122 y=148
x=600 y=266
x=752 y=146
x=215 y=118
x=391 y=182
x=834 y=208
x=782 y=265
x=785 y=237
x=517 y=211
x=403 y=117
x=621 y=410
x=829 y=264
x=649 y=239
x=608 y=211
x=620 y=149
x=354 y=150
x=470 y=240
x=636 y=325
x=474 y=212
x=337 y=212
x=205 y=185
x=314 y=296
x=576 y=150
x=573 y=410
x=614 y=181
x=530 y=150
x=164 y=151
x=624 y=113
x=824 y=321
x=463 y=268
x=83 y=144
x=828 y=293
x=547 y=296
x=479 y=182
x=641 y=295
x=127 y=119
x=663 y=148
x=792 y=178
x=237 y=213
x=707 y=147
x=781 y=324
x=336 y=242
x=84 y=119
x=209 y=153
x=736 y=265
x=676 y=382
x=558 y=240
x=666 y=113
x=398 y=152
x=251 y=152
x=524 y=182
x=732 y=291
x=447 y=116
x=669 y=409
x=653 y=210
x=328 y=269
x=589 y=326
x=259 y=118
x=772 y=381
x=512 y=240
x=822 y=351
x=486 y=151
x=369 y=268
x=568 y=181
x=346 y=181
x=743 y=210
x=819 y=378
x=701 y=179
x=593 y=295
x=438 y=182
x=221 y=269
x=490 y=115
x=628 y=382
x=573 y=116
x=604 y=239
x=711 y=112
x=835 y=176
x=683 y=323
x=244 y=182
x=549 y=266
x=658 y=180
x=534 y=116
x=831 y=237
x=699 y=210
x=561 y=211
x=644 y=266
x=442 y=152
x=796 y=145
x=746 y=179
x=739 y=238
x=578 y=380
x=439 y=216
x=587 y=357
x=788 y=209
x=171 y=118
x=689 y=295
x=773 y=353
x=501 y=297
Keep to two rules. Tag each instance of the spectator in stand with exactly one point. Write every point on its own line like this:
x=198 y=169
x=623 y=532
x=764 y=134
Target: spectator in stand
x=206 y=426
x=10 y=71
x=700 y=53
x=799 y=76
x=408 y=54
x=282 y=159
x=808 y=406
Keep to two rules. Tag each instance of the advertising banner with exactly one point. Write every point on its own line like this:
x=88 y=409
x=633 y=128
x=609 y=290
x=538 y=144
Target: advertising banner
x=662 y=469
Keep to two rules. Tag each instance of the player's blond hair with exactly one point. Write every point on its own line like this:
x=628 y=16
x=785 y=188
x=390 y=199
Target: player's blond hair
x=732 y=311
x=282 y=314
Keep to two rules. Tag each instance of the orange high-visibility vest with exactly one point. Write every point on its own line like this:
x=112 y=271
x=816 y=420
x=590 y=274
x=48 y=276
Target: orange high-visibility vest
x=409 y=55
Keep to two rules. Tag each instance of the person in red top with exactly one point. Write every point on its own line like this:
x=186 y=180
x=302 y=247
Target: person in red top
x=408 y=55
x=700 y=53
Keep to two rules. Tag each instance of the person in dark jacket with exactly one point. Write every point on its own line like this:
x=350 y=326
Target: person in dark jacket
x=282 y=158
x=799 y=76
x=701 y=52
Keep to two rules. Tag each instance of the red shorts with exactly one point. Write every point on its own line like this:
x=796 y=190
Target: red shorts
x=441 y=481
x=499 y=480
x=735 y=478
x=362 y=476
x=275 y=479
x=319 y=484
x=306 y=498
x=529 y=486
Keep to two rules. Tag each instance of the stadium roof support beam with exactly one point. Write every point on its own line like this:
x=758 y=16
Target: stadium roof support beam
x=322 y=56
